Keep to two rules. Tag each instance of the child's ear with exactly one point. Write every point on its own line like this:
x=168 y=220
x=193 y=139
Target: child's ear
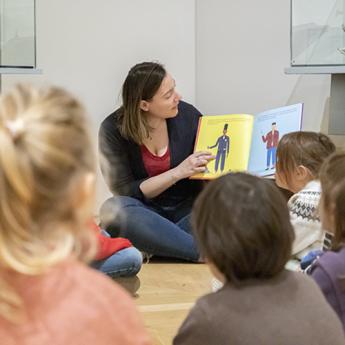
x=144 y=105
x=303 y=173
x=84 y=193
x=89 y=184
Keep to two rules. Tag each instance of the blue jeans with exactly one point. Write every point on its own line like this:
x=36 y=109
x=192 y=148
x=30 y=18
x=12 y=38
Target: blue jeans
x=161 y=231
x=271 y=153
x=124 y=263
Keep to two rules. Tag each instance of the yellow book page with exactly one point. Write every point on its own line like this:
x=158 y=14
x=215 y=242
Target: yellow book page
x=228 y=137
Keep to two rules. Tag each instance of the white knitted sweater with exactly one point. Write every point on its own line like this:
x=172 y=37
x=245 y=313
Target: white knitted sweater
x=305 y=219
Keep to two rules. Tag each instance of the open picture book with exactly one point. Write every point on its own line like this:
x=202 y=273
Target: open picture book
x=243 y=142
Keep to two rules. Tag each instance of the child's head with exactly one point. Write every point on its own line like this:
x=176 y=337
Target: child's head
x=299 y=158
x=332 y=203
x=243 y=227
x=46 y=178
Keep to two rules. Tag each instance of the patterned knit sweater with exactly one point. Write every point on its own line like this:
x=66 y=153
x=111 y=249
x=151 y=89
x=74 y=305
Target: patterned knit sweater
x=305 y=219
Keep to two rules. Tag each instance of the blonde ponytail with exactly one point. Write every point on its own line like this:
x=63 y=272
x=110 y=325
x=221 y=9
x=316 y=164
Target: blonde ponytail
x=45 y=152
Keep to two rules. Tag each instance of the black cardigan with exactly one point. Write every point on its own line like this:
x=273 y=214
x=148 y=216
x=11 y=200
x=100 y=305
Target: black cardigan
x=122 y=164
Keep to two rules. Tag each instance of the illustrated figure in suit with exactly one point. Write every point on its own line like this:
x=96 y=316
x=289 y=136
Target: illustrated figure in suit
x=271 y=139
x=223 y=143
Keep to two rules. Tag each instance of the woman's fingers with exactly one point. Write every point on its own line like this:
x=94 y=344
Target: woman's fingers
x=205 y=159
x=202 y=161
x=198 y=161
x=199 y=169
x=202 y=153
x=209 y=158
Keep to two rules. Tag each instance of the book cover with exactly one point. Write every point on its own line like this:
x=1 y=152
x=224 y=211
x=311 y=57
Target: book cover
x=245 y=142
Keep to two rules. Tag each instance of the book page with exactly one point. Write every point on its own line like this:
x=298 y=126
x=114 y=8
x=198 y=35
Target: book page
x=268 y=128
x=228 y=137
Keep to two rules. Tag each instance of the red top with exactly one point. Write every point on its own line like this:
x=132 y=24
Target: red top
x=155 y=165
x=108 y=246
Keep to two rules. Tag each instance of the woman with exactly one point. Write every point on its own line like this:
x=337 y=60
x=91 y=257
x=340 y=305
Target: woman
x=149 y=142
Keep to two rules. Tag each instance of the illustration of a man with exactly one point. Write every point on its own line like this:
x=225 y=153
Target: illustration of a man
x=223 y=143
x=271 y=139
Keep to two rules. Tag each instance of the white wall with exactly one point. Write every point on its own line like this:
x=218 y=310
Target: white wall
x=242 y=49
x=226 y=56
x=88 y=47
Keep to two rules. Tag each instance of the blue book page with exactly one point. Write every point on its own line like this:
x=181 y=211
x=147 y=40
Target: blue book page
x=268 y=128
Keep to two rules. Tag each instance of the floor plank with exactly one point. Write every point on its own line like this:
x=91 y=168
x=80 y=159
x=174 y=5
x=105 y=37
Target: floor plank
x=167 y=292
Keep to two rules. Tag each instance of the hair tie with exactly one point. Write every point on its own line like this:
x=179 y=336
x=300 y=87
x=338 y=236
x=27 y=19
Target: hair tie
x=15 y=127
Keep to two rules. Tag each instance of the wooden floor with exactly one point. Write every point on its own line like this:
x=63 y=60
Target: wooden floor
x=166 y=294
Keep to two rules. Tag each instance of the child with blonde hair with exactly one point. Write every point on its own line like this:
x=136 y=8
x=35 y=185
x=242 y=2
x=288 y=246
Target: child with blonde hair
x=329 y=270
x=47 y=173
x=299 y=158
x=244 y=233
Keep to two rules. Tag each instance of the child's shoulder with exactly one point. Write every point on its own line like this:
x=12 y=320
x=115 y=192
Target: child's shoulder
x=80 y=273
x=311 y=188
x=73 y=296
x=83 y=284
x=229 y=298
x=332 y=262
x=93 y=293
x=310 y=194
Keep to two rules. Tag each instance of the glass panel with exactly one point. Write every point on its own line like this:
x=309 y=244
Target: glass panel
x=317 y=32
x=17 y=32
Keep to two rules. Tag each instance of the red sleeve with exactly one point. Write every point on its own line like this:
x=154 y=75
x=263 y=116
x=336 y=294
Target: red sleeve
x=107 y=246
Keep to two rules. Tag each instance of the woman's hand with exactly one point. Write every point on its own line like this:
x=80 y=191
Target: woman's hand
x=193 y=164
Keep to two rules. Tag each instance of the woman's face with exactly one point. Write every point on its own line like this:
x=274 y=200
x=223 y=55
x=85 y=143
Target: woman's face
x=164 y=103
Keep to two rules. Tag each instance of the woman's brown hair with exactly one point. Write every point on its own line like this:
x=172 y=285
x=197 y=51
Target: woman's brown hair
x=332 y=177
x=309 y=149
x=242 y=226
x=142 y=82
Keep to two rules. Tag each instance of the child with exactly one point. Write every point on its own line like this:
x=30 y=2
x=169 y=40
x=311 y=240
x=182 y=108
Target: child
x=116 y=257
x=47 y=173
x=329 y=270
x=243 y=230
x=299 y=158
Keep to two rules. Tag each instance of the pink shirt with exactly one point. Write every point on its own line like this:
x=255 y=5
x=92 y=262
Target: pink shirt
x=73 y=304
